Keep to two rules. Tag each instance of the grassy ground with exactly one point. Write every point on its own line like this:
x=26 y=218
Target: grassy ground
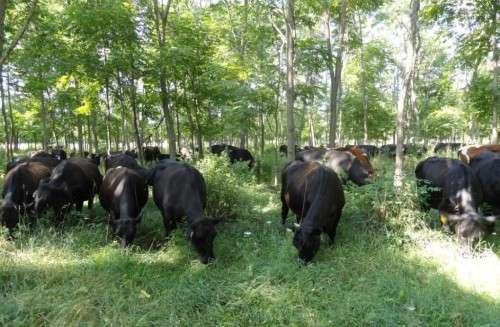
x=391 y=266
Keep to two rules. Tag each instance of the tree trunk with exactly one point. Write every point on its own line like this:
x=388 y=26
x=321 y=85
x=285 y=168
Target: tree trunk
x=496 y=95
x=43 y=113
x=137 y=135
x=335 y=82
x=290 y=90
x=13 y=131
x=5 y=119
x=80 y=136
x=403 y=95
x=169 y=122
x=94 y=131
x=363 y=82
x=108 y=118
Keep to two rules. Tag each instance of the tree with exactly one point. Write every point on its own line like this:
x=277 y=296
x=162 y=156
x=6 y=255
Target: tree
x=290 y=91
x=409 y=76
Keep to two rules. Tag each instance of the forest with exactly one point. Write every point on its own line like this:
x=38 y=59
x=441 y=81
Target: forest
x=249 y=99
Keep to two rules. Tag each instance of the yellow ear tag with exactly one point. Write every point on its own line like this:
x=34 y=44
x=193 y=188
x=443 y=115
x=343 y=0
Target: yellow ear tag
x=443 y=219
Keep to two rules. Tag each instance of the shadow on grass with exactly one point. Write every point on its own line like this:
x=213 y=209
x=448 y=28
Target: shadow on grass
x=255 y=280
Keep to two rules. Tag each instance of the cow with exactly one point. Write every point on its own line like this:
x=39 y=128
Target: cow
x=59 y=154
x=124 y=160
x=486 y=168
x=123 y=194
x=283 y=149
x=314 y=193
x=469 y=152
x=445 y=146
x=388 y=150
x=73 y=181
x=461 y=195
x=19 y=185
x=131 y=153
x=151 y=153
x=48 y=161
x=370 y=150
x=179 y=190
x=364 y=159
x=235 y=154
x=346 y=165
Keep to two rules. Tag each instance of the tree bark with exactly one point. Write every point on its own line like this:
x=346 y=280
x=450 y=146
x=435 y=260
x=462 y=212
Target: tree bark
x=496 y=95
x=336 y=79
x=403 y=95
x=5 y=119
x=43 y=114
x=108 y=118
x=290 y=90
x=13 y=130
x=363 y=82
x=160 y=20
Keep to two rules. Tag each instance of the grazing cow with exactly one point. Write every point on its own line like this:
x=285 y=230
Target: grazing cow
x=444 y=146
x=48 y=161
x=19 y=185
x=315 y=195
x=59 y=154
x=363 y=159
x=486 y=168
x=131 y=153
x=283 y=149
x=151 y=153
x=346 y=165
x=370 y=150
x=73 y=181
x=234 y=153
x=124 y=160
x=123 y=194
x=469 y=152
x=388 y=150
x=241 y=155
x=461 y=196
x=179 y=191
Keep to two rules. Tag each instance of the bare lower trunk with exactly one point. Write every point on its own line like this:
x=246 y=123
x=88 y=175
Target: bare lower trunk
x=108 y=118
x=496 y=95
x=137 y=134
x=43 y=112
x=403 y=95
x=80 y=136
x=94 y=131
x=169 y=122
x=5 y=119
x=290 y=90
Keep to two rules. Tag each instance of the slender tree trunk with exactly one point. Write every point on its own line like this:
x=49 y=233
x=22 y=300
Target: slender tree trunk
x=363 y=82
x=108 y=118
x=80 y=136
x=403 y=95
x=94 y=131
x=13 y=130
x=43 y=113
x=5 y=119
x=337 y=80
x=290 y=89
x=137 y=135
x=496 y=95
x=262 y=133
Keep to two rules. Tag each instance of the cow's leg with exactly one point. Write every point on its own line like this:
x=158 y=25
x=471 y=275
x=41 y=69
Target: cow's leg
x=91 y=200
x=79 y=206
x=284 y=209
x=331 y=229
x=168 y=221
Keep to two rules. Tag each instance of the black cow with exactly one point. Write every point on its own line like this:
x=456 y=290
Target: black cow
x=344 y=163
x=73 y=181
x=388 y=150
x=431 y=173
x=179 y=191
x=370 y=150
x=19 y=185
x=444 y=146
x=219 y=148
x=124 y=160
x=241 y=155
x=123 y=194
x=461 y=196
x=486 y=168
x=283 y=149
x=151 y=153
x=59 y=154
x=48 y=161
x=314 y=193
x=131 y=153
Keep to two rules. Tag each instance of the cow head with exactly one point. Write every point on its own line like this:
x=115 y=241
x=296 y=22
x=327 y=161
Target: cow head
x=49 y=195
x=202 y=234
x=359 y=174
x=125 y=228
x=468 y=226
x=307 y=242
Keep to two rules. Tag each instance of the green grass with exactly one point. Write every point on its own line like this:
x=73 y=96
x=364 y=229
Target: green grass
x=390 y=266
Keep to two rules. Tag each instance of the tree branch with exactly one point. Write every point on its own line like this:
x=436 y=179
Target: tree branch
x=19 y=33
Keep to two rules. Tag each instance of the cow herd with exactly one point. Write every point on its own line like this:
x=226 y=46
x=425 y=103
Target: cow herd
x=312 y=187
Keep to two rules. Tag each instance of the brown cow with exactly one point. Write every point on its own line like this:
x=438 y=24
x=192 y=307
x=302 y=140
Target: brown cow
x=362 y=156
x=469 y=152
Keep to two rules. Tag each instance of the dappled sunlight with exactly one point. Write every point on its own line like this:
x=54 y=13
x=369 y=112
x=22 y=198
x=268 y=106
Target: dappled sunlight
x=477 y=272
